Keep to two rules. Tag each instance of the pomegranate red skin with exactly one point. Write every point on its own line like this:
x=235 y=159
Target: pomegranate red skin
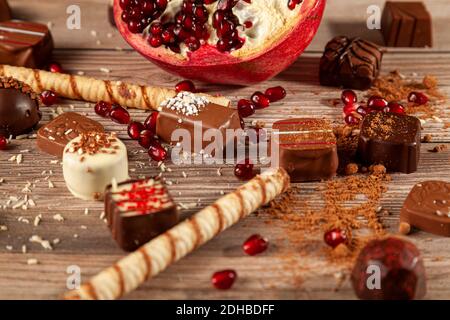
x=210 y=65
x=401 y=268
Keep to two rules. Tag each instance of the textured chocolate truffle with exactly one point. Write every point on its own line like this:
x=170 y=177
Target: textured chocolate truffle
x=19 y=108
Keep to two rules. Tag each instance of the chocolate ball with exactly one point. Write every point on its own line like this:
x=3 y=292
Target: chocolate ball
x=19 y=113
x=389 y=269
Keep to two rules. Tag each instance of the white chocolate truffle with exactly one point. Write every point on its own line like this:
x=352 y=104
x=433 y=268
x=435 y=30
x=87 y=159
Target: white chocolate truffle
x=90 y=163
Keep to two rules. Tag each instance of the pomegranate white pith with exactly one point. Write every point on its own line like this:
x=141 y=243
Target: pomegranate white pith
x=265 y=37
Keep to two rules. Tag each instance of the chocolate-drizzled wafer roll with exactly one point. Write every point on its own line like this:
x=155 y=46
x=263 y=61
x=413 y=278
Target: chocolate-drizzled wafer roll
x=94 y=90
x=155 y=256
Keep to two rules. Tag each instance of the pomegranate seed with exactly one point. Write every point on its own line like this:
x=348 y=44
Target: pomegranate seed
x=192 y=43
x=3 y=142
x=244 y=171
x=395 y=107
x=48 y=98
x=134 y=129
x=292 y=4
x=102 y=108
x=185 y=85
x=348 y=97
x=275 y=94
x=351 y=120
x=362 y=111
x=335 y=237
x=260 y=100
x=161 y=4
x=156 y=151
x=145 y=138
x=124 y=4
x=255 y=244
x=224 y=280
x=248 y=24
x=55 y=67
x=377 y=103
x=155 y=41
x=418 y=98
x=150 y=122
x=119 y=115
x=156 y=29
x=350 y=108
x=135 y=26
x=246 y=108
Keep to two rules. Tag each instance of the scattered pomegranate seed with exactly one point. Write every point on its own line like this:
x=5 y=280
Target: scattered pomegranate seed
x=156 y=151
x=254 y=245
x=102 y=108
x=350 y=108
x=185 y=85
x=348 y=97
x=275 y=94
x=292 y=4
x=395 y=107
x=260 y=100
x=134 y=129
x=246 y=108
x=362 y=111
x=145 y=138
x=418 y=98
x=224 y=280
x=244 y=171
x=335 y=237
x=150 y=122
x=3 y=142
x=55 y=67
x=119 y=115
x=48 y=98
x=377 y=103
x=351 y=120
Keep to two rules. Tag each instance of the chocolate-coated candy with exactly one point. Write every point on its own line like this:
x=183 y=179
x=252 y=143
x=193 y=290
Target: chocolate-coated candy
x=389 y=269
x=19 y=110
x=307 y=148
x=351 y=63
x=392 y=140
x=54 y=136
x=427 y=207
x=5 y=11
x=139 y=210
x=25 y=44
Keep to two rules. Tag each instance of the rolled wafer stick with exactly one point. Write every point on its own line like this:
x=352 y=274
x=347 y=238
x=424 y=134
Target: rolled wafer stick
x=152 y=258
x=94 y=90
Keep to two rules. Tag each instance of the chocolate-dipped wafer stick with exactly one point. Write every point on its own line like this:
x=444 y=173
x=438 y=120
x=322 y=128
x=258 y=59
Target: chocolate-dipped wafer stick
x=155 y=256
x=94 y=90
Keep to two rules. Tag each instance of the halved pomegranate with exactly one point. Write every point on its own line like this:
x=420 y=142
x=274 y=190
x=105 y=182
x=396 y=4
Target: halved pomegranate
x=220 y=41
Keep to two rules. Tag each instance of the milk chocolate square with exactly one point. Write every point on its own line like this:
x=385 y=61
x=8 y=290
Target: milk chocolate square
x=391 y=140
x=427 y=207
x=54 y=136
x=307 y=148
x=25 y=44
x=139 y=210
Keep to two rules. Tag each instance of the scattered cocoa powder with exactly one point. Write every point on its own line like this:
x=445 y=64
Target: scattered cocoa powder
x=427 y=138
x=439 y=148
x=404 y=228
x=351 y=169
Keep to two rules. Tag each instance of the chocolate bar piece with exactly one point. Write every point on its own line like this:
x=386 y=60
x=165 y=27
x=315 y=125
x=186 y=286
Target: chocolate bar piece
x=25 y=44
x=306 y=148
x=427 y=207
x=19 y=108
x=5 y=11
x=54 y=136
x=351 y=63
x=187 y=110
x=139 y=210
x=392 y=140
x=406 y=24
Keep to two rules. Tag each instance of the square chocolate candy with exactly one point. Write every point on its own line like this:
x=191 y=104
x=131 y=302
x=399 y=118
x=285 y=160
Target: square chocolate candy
x=391 y=140
x=427 y=207
x=306 y=148
x=139 y=210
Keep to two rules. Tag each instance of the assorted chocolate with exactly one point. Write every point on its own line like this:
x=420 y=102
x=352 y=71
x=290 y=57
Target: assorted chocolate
x=427 y=207
x=19 y=108
x=5 y=11
x=25 y=44
x=406 y=24
x=91 y=162
x=53 y=137
x=306 y=148
x=139 y=210
x=350 y=63
x=392 y=140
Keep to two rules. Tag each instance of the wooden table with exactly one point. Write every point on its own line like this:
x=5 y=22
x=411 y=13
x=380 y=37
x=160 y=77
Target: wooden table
x=85 y=240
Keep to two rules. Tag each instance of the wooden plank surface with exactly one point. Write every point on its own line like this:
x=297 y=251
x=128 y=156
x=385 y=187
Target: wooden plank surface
x=280 y=273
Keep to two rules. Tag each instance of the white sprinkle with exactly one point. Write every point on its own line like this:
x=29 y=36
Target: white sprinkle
x=9 y=248
x=184 y=174
x=219 y=172
x=80 y=73
x=56 y=241
x=102 y=215
x=83 y=227
x=44 y=243
x=75 y=236
x=93 y=33
x=105 y=70
x=24 y=249
x=58 y=217
x=50 y=184
x=32 y=261
x=3 y=228
x=37 y=220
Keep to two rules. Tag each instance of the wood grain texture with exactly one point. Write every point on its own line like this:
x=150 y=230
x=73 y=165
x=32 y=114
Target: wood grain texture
x=280 y=273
